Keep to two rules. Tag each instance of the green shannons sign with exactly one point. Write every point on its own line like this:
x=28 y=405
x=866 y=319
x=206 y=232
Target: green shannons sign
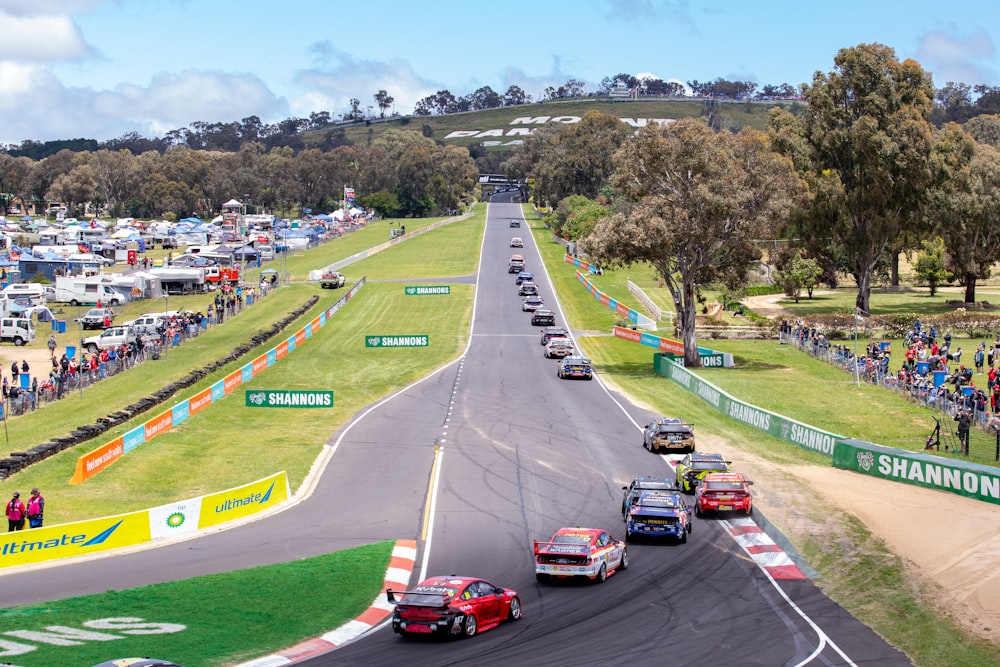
x=420 y=290
x=286 y=398
x=410 y=340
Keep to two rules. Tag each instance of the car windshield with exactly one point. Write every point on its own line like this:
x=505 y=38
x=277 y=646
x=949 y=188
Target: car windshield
x=428 y=595
x=724 y=486
x=708 y=465
x=571 y=538
x=665 y=429
x=642 y=486
x=658 y=501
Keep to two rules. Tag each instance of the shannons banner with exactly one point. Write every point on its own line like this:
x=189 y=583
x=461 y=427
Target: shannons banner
x=933 y=472
x=793 y=432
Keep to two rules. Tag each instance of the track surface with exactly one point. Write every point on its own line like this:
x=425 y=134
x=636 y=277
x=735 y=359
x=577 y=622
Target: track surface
x=519 y=453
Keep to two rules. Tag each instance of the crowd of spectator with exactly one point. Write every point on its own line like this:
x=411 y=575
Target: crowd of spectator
x=932 y=372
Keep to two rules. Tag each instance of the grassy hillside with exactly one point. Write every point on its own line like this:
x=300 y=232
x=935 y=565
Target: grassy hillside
x=734 y=114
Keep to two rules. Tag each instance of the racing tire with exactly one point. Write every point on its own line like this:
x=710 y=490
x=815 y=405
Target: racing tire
x=470 y=626
x=602 y=574
x=541 y=576
x=515 y=609
x=750 y=511
x=697 y=511
x=624 y=563
x=683 y=537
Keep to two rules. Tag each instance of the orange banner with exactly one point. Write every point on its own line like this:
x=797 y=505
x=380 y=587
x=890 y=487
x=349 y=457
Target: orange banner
x=300 y=337
x=232 y=381
x=200 y=401
x=259 y=364
x=159 y=424
x=281 y=350
x=97 y=460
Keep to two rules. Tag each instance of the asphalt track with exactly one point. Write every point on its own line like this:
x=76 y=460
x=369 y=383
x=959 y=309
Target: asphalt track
x=518 y=453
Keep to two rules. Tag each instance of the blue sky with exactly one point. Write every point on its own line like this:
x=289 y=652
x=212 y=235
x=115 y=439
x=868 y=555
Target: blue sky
x=101 y=68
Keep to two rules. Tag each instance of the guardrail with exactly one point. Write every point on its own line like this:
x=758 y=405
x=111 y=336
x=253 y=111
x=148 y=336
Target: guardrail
x=658 y=313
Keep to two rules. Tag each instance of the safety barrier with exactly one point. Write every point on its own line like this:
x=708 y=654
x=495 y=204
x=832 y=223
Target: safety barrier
x=675 y=348
x=84 y=538
x=632 y=315
x=658 y=313
x=96 y=460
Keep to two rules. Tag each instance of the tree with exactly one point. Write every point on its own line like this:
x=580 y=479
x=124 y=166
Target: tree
x=691 y=203
x=794 y=271
x=865 y=153
x=930 y=265
x=514 y=96
x=985 y=129
x=384 y=101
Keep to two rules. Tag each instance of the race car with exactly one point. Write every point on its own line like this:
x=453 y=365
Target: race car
x=580 y=552
x=658 y=515
x=531 y=303
x=694 y=466
x=642 y=485
x=515 y=223
x=667 y=434
x=527 y=288
x=452 y=606
x=515 y=264
x=575 y=367
x=558 y=348
x=516 y=242
x=524 y=277
x=723 y=492
x=543 y=318
x=548 y=333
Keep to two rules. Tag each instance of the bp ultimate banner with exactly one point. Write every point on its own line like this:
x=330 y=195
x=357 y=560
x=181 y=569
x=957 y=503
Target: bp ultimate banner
x=934 y=472
x=783 y=428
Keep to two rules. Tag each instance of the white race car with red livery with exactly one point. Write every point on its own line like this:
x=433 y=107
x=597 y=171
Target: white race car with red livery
x=580 y=552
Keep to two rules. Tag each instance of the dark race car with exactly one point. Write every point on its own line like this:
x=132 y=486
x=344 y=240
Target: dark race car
x=575 y=367
x=543 y=318
x=548 y=333
x=452 y=606
x=723 y=492
x=658 y=515
x=515 y=223
x=524 y=277
x=668 y=434
x=642 y=485
x=693 y=467
x=527 y=288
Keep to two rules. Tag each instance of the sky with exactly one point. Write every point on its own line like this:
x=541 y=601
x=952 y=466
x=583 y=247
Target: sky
x=99 y=69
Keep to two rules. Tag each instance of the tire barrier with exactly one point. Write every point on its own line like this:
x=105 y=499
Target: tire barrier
x=18 y=461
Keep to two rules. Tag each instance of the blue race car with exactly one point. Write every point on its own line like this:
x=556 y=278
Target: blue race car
x=658 y=515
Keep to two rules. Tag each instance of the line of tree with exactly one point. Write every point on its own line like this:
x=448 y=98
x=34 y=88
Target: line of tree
x=401 y=174
x=859 y=177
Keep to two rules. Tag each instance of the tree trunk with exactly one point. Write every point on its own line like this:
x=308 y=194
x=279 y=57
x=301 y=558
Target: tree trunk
x=689 y=304
x=863 y=302
x=970 y=288
x=894 y=269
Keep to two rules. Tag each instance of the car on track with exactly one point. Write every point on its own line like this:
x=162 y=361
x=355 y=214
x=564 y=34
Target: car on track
x=515 y=264
x=641 y=485
x=452 y=606
x=517 y=242
x=575 y=367
x=559 y=348
x=723 y=492
x=668 y=434
x=527 y=288
x=531 y=303
x=95 y=318
x=658 y=515
x=543 y=318
x=548 y=333
x=694 y=466
x=524 y=277
x=580 y=552
x=515 y=223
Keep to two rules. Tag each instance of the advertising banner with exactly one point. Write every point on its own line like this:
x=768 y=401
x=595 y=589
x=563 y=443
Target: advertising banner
x=259 y=364
x=200 y=401
x=243 y=501
x=781 y=427
x=232 y=381
x=933 y=472
x=97 y=460
x=134 y=438
x=161 y=423
x=288 y=398
x=73 y=539
x=174 y=519
x=178 y=414
x=246 y=373
x=632 y=315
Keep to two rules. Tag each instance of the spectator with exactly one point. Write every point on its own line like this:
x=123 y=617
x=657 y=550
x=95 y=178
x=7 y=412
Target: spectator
x=964 y=422
x=979 y=358
x=36 y=508
x=14 y=372
x=52 y=346
x=15 y=513
x=24 y=367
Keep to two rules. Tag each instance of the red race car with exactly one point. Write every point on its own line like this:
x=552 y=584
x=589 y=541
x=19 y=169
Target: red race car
x=580 y=552
x=723 y=491
x=452 y=606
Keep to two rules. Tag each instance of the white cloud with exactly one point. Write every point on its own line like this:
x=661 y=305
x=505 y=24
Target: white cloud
x=40 y=39
x=952 y=56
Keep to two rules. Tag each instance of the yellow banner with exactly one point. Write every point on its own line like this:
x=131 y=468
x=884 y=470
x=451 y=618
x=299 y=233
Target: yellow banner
x=243 y=501
x=67 y=540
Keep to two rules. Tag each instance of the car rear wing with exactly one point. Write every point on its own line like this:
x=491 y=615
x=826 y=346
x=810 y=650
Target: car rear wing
x=561 y=548
x=420 y=598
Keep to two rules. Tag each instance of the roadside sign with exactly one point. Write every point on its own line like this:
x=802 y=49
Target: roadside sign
x=407 y=340
x=419 y=290
x=288 y=398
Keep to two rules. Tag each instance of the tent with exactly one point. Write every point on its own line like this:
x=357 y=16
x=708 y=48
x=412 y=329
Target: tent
x=193 y=221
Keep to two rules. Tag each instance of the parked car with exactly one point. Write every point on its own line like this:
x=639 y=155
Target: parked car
x=452 y=606
x=97 y=318
x=111 y=337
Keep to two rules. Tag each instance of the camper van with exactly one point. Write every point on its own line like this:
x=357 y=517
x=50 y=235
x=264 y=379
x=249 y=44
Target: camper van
x=86 y=291
x=75 y=234
x=35 y=292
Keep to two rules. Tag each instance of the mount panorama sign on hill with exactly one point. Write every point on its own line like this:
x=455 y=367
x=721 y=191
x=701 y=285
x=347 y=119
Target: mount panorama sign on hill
x=524 y=125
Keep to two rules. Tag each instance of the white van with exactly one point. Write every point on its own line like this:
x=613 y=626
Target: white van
x=33 y=291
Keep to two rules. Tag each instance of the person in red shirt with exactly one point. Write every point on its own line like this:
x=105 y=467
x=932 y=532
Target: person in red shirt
x=15 y=513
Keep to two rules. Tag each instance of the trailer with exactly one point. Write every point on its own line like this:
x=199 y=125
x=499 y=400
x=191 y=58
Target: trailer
x=87 y=291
